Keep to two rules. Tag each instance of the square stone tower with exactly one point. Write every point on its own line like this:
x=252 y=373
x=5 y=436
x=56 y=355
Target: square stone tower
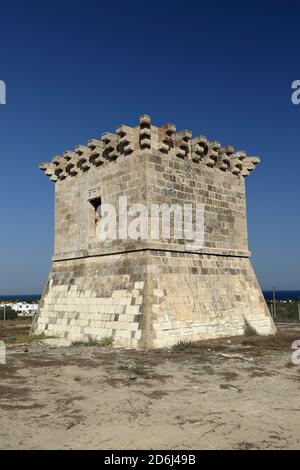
x=149 y=290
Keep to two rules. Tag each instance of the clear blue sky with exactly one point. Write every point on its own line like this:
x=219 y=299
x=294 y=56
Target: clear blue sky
x=74 y=69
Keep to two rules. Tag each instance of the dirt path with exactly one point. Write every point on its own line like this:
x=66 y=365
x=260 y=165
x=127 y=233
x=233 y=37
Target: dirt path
x=201 y=398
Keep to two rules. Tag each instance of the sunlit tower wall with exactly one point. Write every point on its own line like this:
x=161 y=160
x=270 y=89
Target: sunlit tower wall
x=151 y=293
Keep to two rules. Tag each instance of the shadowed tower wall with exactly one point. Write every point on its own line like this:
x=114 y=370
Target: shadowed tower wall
x=151 y=292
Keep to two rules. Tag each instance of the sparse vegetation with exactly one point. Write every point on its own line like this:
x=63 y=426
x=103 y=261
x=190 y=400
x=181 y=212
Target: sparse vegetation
x=105 y=341
x=139 y=365
x=30 y=338
x=277 y=342
x=140 y=360
x=13 y=329
x=123 y=365
x=285 y=311
x=90 y=342
x=12 y=334
x=182 y=345
x=140 y=384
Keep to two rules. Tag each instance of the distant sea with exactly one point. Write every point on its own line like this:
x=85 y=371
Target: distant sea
x=280 y=295
x=21 y=298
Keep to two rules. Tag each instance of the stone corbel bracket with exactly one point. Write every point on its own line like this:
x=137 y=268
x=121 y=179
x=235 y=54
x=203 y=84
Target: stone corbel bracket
x=96 y=152
x=166 y=140
x=249 y=164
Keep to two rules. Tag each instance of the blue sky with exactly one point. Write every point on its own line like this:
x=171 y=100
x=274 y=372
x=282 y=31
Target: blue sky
x=74 y=69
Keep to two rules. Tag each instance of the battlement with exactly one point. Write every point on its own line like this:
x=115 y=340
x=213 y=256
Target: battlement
x=166 y=140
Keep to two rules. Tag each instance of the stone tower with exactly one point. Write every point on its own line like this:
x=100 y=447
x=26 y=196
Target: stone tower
x=151 y=292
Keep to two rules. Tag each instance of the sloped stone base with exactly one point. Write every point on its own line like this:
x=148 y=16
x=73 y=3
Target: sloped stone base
x=152 y=299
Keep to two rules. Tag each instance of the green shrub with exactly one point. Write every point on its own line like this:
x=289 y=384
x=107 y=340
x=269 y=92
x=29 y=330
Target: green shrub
x=10 y=314
x=285 y=311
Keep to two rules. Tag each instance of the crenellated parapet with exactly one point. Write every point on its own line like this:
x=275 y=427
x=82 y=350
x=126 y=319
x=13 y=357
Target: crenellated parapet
x=132 y=140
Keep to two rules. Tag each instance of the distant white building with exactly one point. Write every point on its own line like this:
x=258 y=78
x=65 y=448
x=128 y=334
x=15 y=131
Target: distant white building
x=25 y=310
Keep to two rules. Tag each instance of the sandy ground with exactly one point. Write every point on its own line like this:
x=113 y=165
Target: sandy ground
x=200 y=398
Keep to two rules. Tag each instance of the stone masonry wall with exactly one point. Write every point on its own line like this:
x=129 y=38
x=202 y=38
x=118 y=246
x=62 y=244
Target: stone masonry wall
x=95 y=297
x=152 y=298
x=192 y=296
x=150 y=178
x=151 y=293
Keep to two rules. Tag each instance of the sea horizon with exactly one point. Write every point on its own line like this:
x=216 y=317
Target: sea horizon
x=268 y=294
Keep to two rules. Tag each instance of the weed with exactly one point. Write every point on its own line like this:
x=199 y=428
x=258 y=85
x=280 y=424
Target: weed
x=26 y=339
x=140 y=361
x=123 y=365
x=80 y=343
x=30 y=338
x=276 y=342
x=182 y=345
x=105 y=341
x=139 y=365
